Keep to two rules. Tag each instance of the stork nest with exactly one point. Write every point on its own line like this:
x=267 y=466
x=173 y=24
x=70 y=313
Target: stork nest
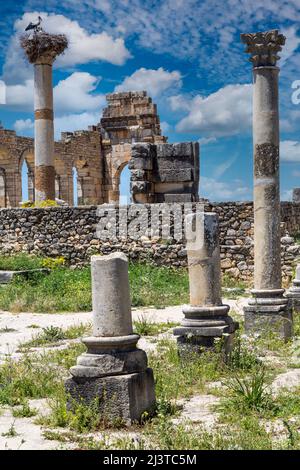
x=43 y=44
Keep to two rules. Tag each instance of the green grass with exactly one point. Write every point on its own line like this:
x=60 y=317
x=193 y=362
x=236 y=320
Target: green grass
x=52 y=335
x=243 y=407
x=20 y=262
x=69 y=290
x=145 y=327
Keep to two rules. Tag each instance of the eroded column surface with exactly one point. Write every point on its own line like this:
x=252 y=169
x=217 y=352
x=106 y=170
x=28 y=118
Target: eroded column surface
x=113 y=371
x=293 y=293
x=44 y=130
x=268 y=305
x=296 y=195
x=42 y=49
x=206 y=318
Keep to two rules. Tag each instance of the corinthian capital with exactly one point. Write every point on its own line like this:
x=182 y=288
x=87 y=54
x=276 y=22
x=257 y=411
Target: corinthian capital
x=263 y=47
x=42 y=47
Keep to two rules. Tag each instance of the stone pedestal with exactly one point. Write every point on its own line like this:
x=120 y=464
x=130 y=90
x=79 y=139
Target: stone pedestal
x=293 y=293
x=206 y=318
x=268 y=309
x=113 y=370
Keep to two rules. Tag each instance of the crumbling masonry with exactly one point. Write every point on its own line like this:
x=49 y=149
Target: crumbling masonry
x=159 y=171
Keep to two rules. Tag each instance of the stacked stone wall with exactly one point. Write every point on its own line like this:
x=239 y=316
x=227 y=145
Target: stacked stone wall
x=71 y=232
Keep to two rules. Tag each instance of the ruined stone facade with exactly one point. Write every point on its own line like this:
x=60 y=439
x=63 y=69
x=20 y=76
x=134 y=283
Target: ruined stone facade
x=100 y=154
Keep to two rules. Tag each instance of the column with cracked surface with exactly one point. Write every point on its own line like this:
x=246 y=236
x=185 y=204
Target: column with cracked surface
x=268 y=308
x=206 y=318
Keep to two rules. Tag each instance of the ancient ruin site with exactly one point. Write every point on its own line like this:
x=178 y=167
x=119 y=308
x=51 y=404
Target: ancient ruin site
x=150 y=228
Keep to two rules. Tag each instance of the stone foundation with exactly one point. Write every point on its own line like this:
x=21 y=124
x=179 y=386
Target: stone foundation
x=71 y=233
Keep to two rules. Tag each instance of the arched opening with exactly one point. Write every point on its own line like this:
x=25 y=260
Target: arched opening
x=77 y=188
x=124 y=186
x=2 y=188
x=57 y=187
x=27 y=182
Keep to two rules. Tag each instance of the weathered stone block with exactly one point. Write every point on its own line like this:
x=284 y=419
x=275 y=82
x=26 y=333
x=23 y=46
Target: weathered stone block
x=110 y=363
x=173 y=175
x=123 y=397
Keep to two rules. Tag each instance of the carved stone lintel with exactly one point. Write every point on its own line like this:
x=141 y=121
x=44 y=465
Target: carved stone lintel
x=263 y=47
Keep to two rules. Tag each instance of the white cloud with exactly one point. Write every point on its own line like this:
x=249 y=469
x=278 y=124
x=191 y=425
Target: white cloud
x=66 y=123
x=226 y=112
x=22 y=126
x=20 y=96
x=180 y=102
x=215 y=190
x=287 y=195
x=74 y=94
x=165 y=127
x=291 y=45
x=83 y=47
x=223 y=167
x=290 y=151
x=155 y=82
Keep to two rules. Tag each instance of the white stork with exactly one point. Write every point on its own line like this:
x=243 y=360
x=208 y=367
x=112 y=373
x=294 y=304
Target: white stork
x=34 y=26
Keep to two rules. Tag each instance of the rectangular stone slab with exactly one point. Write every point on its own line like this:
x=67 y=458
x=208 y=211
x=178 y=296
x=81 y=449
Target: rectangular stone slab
x=7 y=276
x=124 y=397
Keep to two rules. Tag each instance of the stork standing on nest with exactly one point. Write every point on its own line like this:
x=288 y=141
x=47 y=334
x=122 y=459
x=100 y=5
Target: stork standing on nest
x=36 y=27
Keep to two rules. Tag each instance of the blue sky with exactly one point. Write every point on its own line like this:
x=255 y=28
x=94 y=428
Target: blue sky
x=187 y=54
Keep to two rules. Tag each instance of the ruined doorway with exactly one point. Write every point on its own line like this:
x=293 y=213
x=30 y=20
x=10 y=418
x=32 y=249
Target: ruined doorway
x=27 y=182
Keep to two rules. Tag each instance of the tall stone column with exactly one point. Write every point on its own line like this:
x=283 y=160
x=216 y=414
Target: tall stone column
x=206 y=318
x=113 y=370
x=268 y=308
x=42 y=49
x=296 y=195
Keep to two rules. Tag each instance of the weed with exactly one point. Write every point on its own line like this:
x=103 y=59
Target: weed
x=250 y=393
x=11 y=432
x=24 y=411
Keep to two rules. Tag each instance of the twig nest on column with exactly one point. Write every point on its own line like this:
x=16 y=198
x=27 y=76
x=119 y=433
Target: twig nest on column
x=43 y=44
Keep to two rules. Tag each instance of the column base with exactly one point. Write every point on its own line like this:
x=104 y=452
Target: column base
x=202 y=326
x=122 y=398
x=116 y=374
x=269 y=311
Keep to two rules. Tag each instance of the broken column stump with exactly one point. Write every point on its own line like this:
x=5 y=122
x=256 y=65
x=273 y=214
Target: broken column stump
x=113 y=370
x=293 y=293
x=206 y=318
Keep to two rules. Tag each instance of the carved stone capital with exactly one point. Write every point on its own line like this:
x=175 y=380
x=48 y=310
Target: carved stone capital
x=263 y=47
x=43 y=48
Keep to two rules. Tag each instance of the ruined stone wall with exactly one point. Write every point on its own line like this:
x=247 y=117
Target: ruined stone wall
x=165 y=172
x=71 y=232
x=100 y=154
x=80 y=150
x=131 y=117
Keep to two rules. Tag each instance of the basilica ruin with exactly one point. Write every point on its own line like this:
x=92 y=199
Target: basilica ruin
x=159 y=171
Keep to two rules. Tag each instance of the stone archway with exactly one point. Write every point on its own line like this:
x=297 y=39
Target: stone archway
x=26 y=176
x=119 y=158
x=3 y=201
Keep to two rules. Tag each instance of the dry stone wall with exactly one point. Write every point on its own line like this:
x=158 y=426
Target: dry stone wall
x=71 y=232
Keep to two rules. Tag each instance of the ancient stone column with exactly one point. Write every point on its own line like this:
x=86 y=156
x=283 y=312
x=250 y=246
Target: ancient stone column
x=293 y=293
x=42 y=49
x=296 y=195
x=112 y=371
x=206 y=318
x=268 y=307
